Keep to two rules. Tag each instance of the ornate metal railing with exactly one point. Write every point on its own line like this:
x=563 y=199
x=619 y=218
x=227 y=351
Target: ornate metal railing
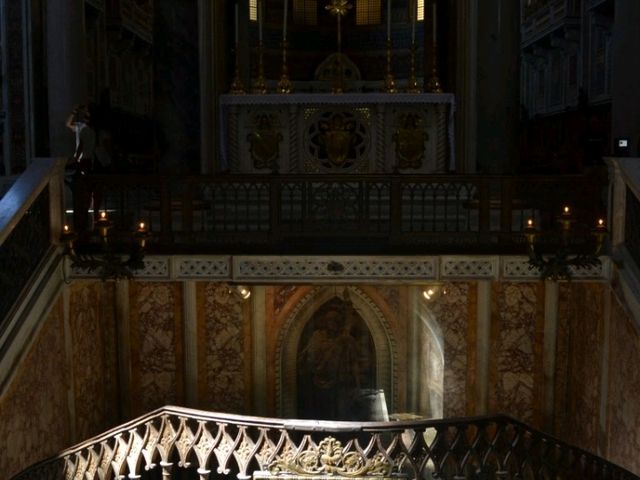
x=205 y=445
x=366 y=213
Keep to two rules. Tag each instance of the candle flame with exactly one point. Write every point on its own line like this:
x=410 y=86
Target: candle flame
x=566 y=209
x=103 y=215
x=601 y=222
x=530 y=222
x=66 y=228
x=141 y=226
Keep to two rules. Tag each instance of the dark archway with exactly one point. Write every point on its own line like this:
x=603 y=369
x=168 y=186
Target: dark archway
x=336 y=365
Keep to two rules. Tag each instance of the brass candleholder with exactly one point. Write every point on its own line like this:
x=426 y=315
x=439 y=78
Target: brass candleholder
x=412 y=82
x=260 y=85
x=389 y=80
x=284 y=85
x=237 y=87
x=433 y=86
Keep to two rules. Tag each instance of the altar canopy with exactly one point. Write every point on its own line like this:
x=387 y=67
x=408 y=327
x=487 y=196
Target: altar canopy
x=345 y=133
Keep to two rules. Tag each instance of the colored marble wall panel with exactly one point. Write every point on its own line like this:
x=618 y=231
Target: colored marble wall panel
x=221 y=349
x=156 y=344
x=93 y=341
x=34 y=413
x=515 y=314
x=624 y=390
x=578 y=363
x=451 y=311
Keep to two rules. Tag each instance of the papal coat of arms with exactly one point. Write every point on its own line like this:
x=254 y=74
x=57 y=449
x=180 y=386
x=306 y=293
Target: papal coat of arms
x=264 y=142
x=410 y=138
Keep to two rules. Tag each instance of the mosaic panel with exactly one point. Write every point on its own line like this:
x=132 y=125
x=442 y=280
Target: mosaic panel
x=34 y=418
x=624 y=390
x=515 y=311
x=156 y=323
x=450 y=309
x=221 y=350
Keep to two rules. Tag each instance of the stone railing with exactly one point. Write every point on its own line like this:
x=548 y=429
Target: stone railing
x=30 y=215
x=211 y=445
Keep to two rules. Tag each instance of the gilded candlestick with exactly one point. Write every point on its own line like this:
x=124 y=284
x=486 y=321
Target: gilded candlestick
x=260 y=85
x=433 y=86
x=237 y=87
x=284 y=85
x=412 y=82
x=389 y=80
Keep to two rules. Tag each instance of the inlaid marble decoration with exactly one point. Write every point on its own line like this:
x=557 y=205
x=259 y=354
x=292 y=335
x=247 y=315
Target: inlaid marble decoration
x=624 y=390
x=449 y=308
x=281 y=296
x=578 y=363
x=221 y=349
x=34 y=413
x=156 y=356
x=516 y=310
x=93 y=353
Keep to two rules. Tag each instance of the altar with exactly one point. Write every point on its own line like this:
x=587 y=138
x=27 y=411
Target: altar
x=314 y=133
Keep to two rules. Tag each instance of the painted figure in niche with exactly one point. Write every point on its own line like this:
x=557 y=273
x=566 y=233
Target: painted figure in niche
x=336 y=364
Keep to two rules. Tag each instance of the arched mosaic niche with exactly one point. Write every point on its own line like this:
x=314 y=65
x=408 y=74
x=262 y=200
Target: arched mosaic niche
x=292 y=333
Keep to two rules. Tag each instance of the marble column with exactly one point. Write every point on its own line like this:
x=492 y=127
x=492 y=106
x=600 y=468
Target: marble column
x=625 y=75
x=66 y=70
x=498 y=85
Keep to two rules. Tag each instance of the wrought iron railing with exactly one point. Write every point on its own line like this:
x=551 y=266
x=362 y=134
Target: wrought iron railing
x=365 y=213
x=206 y=445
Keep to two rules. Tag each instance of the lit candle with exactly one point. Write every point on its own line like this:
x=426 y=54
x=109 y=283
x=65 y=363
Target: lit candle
x=530 y=233
x=284 y=22
x=565 y=219
x=260 y=21
x=103 y=224
x=388 y=20
x=435 y=24
x=66 y=229
x=142 y=227
x=236 y=17
x=600 y=224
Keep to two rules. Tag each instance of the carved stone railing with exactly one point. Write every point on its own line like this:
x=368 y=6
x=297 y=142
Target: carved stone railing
x=208 y=445
x=29 y=213
x=321 y=214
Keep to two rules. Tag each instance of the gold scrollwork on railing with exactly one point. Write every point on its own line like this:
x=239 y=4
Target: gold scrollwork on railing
x=330 y=458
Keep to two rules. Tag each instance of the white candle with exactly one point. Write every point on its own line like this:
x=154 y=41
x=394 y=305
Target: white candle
x=389 y=20
x=414 y=9
x=260 y=21
x=435 y=24
x=236 y=24
x=284 y=22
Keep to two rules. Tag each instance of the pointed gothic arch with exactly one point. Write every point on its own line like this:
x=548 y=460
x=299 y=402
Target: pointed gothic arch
x=291 y=333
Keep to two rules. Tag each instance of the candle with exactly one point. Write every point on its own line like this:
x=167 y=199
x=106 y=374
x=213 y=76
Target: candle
x=413 y=21
x=388 y=20
x=530 y=233
x=284 y=22
x=142 y=227
x=435 y=24
x=236 y=17
x=260 y=21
